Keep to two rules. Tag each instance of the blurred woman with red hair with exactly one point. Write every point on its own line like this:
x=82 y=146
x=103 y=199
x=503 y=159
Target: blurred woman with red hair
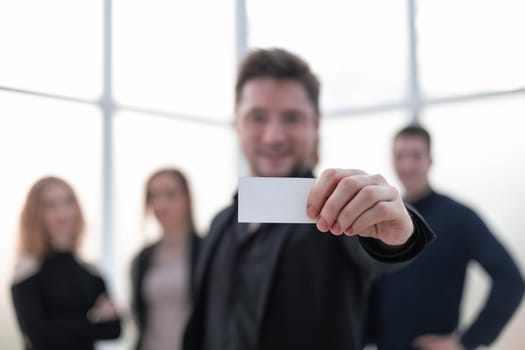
x=60 y=302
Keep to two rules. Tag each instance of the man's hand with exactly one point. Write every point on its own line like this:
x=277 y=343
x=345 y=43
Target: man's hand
x=353 y=202
x=438 y=342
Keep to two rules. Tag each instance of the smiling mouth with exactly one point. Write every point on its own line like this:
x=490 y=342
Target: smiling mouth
x=274 y=157
x=274 y=153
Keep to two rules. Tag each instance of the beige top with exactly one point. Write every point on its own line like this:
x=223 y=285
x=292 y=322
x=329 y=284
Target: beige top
x=166 y=295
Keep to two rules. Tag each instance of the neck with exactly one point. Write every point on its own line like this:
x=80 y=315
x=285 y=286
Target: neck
x=64 y=246
x=296 y=172
x=175 y=232
x=414 y=195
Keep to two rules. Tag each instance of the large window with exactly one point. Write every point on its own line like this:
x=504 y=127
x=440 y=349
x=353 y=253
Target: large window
x=52 y=46
x=164 y=97
x=471 y=46
x=176 y=56
x=359 y=48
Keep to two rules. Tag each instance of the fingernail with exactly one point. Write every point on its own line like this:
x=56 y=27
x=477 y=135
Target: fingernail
x=336 y=228
x=322 y=225
x=349 y=231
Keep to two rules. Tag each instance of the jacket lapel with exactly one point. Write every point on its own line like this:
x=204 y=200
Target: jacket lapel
x=281 y=232
x=208 y=247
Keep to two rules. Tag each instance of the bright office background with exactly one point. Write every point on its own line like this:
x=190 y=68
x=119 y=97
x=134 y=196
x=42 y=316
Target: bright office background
x=103 y=98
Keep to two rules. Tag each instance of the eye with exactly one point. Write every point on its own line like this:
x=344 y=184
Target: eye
x=291 y=118
x=171 y=194
x=257 y=117
x=150 y=196
x=417 y=156
x=50 y=205
x=70 y=200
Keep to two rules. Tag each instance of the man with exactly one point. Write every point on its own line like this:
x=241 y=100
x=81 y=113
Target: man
x=418 y=306
x=284 y=286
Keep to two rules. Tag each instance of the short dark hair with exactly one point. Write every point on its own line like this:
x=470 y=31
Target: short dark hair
x=279 y=64
x=415 y=130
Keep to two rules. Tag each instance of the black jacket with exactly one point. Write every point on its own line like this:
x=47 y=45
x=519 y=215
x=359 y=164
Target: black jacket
x=316 y=286
x=139 y=267
x=52 y=300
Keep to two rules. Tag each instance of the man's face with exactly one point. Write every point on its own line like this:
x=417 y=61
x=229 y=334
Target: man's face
x=412 y=162
x=277 y=126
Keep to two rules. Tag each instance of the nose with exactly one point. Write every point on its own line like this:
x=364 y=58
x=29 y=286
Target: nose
x=159 y=203
x=274 y=132
x=407 y=165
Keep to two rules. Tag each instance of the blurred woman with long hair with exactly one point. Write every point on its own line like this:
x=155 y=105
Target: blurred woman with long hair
x=60 y=302
x=161 y=273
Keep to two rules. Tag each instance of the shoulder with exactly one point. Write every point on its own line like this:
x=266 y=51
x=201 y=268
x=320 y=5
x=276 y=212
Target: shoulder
x=143 y=258
x=195 y=239
x=453 y=204
x=145 y=252
x=222 y=218
x=225 y=212
x=91 y=268
x=463 y=214
x=26 y=267
x=445 y=199
x=218 y=223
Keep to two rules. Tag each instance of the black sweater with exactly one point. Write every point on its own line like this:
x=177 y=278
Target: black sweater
x=52 y=300
x=425 y=297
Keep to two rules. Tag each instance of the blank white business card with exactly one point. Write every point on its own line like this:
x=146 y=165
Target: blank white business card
x=274 y=199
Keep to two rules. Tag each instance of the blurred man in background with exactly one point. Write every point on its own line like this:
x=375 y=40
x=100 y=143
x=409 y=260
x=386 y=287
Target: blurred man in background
x=418 y=307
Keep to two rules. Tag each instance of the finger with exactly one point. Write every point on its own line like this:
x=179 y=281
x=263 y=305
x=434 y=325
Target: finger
x=324 y=186
x=374 y=219
x=344 y=192
x=385 y=221
x=366 y=198
x=366 y=224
